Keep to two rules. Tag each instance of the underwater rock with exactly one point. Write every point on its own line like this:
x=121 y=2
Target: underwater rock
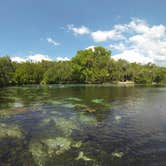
x=80 y=106
x=19 y=110
x=10 y=131
x=90 y=110
x=118 y=154
x=81 y=156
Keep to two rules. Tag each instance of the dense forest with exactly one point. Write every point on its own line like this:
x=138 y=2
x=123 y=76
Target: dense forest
x=88 y=66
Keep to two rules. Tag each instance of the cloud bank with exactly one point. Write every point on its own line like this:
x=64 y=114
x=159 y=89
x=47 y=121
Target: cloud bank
x=33 y=58
x=37 y=58
x=136 y=41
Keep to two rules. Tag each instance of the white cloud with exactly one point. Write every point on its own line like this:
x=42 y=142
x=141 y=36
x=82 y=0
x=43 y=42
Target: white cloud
x=136 y=41
x=133 y=56
x=53 y=42
x=62 y=59
x=33 y=58
x=78 y=31
x=18 y=59
x=38 y=58
x=144 y=43
x=120 y=46
x=99 y=36
x=114 y=34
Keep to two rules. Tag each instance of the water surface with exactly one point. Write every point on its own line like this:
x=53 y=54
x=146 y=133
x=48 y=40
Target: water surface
x=82 y=125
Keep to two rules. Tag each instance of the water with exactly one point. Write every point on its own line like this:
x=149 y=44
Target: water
x=82 y=125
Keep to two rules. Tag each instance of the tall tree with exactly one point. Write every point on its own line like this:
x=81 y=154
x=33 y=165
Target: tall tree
x=6 y=71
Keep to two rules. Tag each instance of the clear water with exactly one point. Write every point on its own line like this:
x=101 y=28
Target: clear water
x=82 y=125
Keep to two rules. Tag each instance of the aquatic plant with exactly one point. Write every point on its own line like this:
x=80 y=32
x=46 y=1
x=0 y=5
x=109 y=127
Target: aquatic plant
x=81 y=156
x=58 y=145
x=118 y=154
x=5 y=114
x=77 y=144
x=45 y=149
x=80 y=106
x=101 y=102
x=55 y=102
x=98 y=101
x=10 y=131
x=68 y=105
x=66 y=126
x=74 y=99
x=38 y=152
x=90 y=120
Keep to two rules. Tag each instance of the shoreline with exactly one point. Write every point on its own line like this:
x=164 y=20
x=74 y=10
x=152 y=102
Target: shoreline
x=116 y=84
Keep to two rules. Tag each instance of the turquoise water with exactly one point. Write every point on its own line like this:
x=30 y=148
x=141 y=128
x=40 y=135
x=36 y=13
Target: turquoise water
x=82 y=125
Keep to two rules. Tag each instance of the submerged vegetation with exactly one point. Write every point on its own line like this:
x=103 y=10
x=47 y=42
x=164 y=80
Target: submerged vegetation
x=10 y=131
x=81 y=125
x=57 y=122
x=88 y=66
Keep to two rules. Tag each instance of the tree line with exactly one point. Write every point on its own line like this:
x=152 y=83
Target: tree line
x=87 y=66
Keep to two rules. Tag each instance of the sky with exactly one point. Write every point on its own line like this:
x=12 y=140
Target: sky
x=134 y=30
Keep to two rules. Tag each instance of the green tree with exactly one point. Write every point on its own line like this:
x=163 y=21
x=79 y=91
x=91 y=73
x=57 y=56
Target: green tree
x=91 y=65
x=6 y=71
x=60 y=72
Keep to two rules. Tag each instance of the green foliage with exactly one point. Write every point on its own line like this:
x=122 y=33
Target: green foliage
x=6 y=71
x=88 y=66
x=25 y=73
x=91 y=65
x=60 y=72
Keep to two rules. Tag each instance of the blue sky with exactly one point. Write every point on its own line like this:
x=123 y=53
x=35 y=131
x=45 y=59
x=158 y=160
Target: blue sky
x=52 y=28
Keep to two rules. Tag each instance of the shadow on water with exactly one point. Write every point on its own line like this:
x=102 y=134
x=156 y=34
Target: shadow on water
x=82 y=125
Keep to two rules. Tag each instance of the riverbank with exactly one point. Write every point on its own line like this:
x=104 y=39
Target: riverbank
x=107 y=84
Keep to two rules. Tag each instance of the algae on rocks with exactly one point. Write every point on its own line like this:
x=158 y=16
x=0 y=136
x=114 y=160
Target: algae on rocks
x=47 y=148
x=118 y=154
x=58 y=145
x=5 y=114
x=10 y=131
x=81 y=156
x=74 y=99
x=98 y=101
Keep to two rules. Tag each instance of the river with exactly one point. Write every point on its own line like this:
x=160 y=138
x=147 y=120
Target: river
x=98 y=125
